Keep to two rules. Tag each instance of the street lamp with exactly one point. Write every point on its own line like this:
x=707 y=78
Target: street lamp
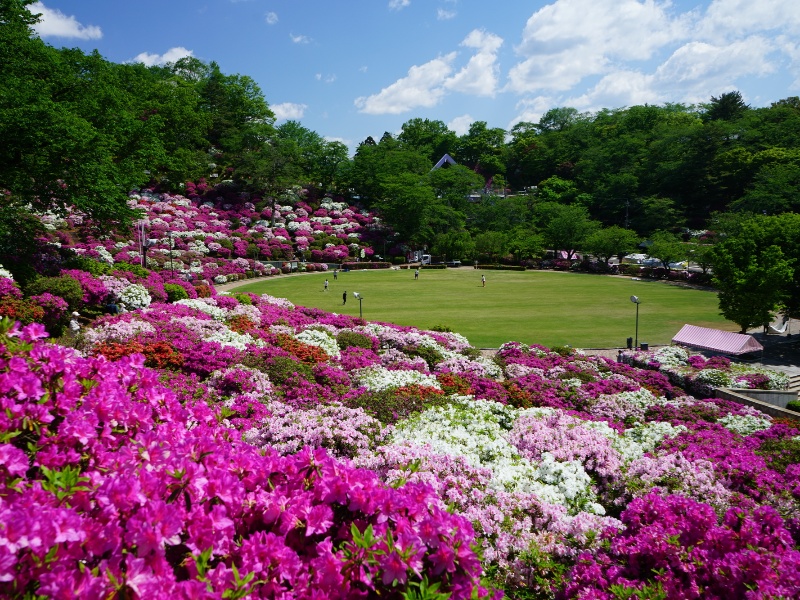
x=171 y=264
x=359 y=297
x=637 y=302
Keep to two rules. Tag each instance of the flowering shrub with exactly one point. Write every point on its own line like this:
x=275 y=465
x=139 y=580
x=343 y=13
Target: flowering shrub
x=675 y=547
x=185 y=447
x=211 y=516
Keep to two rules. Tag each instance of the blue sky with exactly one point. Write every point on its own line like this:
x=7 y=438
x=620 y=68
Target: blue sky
x=348 y=69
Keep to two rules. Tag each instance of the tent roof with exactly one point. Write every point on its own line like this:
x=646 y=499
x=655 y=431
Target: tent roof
x=726 y=342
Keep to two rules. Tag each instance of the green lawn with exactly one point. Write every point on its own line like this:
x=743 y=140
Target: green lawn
x=584 y=311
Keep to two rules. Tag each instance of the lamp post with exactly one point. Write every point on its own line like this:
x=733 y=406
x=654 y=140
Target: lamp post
x=637 y=302
x=171 y=264
x=359 y=297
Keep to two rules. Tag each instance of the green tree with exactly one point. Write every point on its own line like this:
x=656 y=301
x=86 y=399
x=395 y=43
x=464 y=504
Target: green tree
x=454 y=245
x=525 y=244
x=481 y=148
x=453 y=184
x=611 y=241
x=492 y=244
x=319 y=161
x=432 y=139
x=751 y=281
x=406 y=204
x=566 y=227
x=269 y=170
x=668 y=248
x=727 y=107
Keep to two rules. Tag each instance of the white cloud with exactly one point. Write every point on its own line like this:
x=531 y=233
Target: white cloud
x=569 y=40
x=398 y=4
x=325 y=78
x=271 y=18
x=481 y=74
x=54 y=23
x=300 y=39
x=532 y=109
x=423 y=87
x=445 y=15
x=170 y=56
x=460 y=125
x=701 y=70
x=288 y=110
x=726 y=18
x=621 y=88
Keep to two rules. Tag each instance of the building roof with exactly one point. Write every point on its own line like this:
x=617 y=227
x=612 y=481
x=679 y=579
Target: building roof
x=446 y=159
x=726 y=342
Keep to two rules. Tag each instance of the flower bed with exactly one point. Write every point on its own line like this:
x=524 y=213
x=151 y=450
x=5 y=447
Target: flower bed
x=701 y=375
x=226 y=446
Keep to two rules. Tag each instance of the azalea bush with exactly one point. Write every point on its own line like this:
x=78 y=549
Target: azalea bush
x=220 y=446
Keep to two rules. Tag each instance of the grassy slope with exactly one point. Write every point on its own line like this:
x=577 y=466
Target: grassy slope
x=549 y=308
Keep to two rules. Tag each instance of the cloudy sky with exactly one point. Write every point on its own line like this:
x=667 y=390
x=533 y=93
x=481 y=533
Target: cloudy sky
x=348 y=69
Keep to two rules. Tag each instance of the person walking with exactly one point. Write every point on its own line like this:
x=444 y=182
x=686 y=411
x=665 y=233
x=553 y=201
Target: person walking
x=483 y=280
x=335 y=274
x=326 y=286
x=344 y=297
x=416 y=274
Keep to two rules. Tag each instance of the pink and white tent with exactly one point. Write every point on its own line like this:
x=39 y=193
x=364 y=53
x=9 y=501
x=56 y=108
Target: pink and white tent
x=726 y=342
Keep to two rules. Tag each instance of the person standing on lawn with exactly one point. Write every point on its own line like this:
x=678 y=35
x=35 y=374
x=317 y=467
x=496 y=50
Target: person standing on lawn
x=344 y=297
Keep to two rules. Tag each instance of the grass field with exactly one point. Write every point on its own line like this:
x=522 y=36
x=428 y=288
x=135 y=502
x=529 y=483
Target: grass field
x=550 y=308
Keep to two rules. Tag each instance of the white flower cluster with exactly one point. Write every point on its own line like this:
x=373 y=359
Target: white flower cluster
x=745 y=424
x=377 y=379
x=321 y=339
x=714 y=378
x=282 y=302
x=6 y=273
x=228 y=337
x=215 y=312
x=329 y=204
x=220 y=279
x=476 y=430
x=105 y=255
x=777 y=379
x=671 y=356
x=643 y=438
x=135 y=296
x=196 y=246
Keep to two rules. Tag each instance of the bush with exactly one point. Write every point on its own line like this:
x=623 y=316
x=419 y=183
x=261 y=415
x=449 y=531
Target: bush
x=82 y=263
x=502 y=267
x=137 y=270
x=282 y=368
x=431 y=356
x=793 y=405
x=20 y=310
x=243 y=299
x=350 y=339
x=390 y=406
x=65 y=287
x=175 y=292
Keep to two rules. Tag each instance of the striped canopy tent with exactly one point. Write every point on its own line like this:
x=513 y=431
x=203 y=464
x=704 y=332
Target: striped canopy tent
x=725 y=342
